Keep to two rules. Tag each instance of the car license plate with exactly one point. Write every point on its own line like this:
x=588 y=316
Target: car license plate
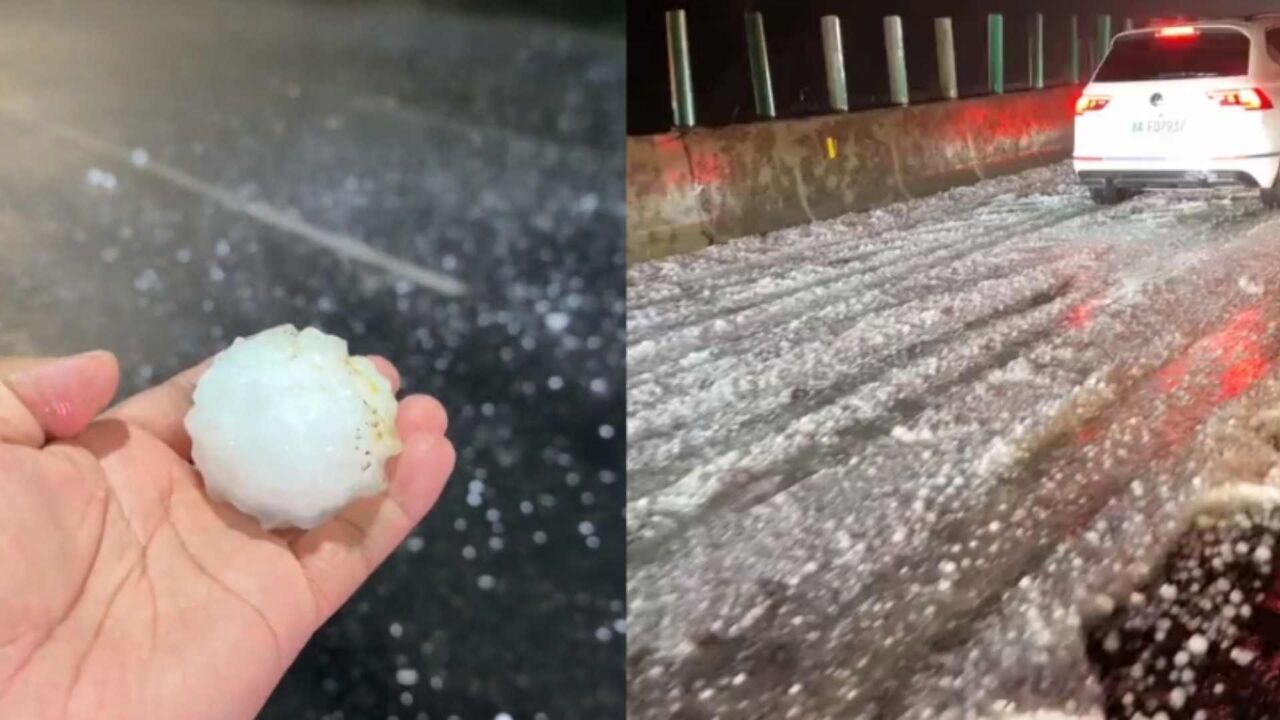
x=1159 y=127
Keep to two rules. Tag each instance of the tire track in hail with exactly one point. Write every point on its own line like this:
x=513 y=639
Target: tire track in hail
x=770 y=251
x=755 y=390
x=734 y=272
x=759 y=484
x=759 y=427
x=675 y=360
x=912 y=262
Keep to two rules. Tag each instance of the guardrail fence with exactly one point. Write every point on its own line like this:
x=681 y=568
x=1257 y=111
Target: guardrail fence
x=754 y=23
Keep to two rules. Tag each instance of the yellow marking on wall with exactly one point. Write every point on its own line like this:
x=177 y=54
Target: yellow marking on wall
x=831 y=148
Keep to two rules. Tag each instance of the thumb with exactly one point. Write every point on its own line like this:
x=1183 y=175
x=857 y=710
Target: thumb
x=50 y=398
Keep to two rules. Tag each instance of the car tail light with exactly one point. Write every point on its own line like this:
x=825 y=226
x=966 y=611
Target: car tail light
x=1247 y=98
x=1091 y=103
x=1177 y=31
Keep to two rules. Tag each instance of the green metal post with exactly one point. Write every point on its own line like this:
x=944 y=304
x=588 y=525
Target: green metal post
x=679 y=69
x=1104 y=40
x=1075 y=50
x=1035 y=49
x=758 y=55
x=944 y=36
x=1031 y=50
x=896 y=54
x=833 y=57
x=995 y=52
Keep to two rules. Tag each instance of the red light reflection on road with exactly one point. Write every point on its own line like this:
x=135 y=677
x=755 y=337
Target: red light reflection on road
x=1217 y=368
x=1240 y=352
x=1233 y=360
x=1242 y=376
x=1089 y=434
x=1080 y=316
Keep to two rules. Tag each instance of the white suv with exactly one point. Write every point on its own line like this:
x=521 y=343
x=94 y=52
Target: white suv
x=1183 y=106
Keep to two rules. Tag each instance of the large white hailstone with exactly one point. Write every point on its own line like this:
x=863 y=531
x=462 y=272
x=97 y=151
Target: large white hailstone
x=289 y=428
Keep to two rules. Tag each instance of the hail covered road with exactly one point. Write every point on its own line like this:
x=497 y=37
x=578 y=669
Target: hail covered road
x=880 y=466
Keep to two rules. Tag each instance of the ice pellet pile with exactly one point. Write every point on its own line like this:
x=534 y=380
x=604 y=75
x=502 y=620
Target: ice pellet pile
x=1201 y=639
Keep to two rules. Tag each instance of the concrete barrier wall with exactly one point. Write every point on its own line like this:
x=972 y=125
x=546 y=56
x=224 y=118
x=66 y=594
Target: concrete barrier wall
x=689 y=190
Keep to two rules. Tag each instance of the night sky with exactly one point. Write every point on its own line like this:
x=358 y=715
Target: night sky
x=722 y=85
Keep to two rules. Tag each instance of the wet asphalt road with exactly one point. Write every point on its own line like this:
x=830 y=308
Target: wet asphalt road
x=177 y=174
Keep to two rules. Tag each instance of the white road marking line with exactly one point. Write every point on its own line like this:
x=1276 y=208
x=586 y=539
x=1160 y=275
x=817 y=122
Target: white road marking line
x=338 y=243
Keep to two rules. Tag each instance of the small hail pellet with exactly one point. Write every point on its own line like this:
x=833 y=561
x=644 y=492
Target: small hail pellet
x=289 y=428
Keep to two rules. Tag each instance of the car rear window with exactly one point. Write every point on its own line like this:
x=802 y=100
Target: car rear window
x=1211 y=52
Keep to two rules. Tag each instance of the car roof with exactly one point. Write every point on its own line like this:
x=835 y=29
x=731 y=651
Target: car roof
x=1261 y=21
x=1254 y=27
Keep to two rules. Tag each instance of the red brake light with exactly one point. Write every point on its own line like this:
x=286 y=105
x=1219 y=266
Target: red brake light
x=1177 y=31
x=1247 y=98
x=1090 y=103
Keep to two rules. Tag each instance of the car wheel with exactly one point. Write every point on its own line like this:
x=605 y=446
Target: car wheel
x=1271 y=196
x=1109 y=195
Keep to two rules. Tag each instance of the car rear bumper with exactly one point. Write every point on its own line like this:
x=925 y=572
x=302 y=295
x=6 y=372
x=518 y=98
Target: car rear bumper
x=1258 y=171
x=1167 y=179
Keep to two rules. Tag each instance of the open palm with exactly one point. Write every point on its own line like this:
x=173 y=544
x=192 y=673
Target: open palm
x=126 y=593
